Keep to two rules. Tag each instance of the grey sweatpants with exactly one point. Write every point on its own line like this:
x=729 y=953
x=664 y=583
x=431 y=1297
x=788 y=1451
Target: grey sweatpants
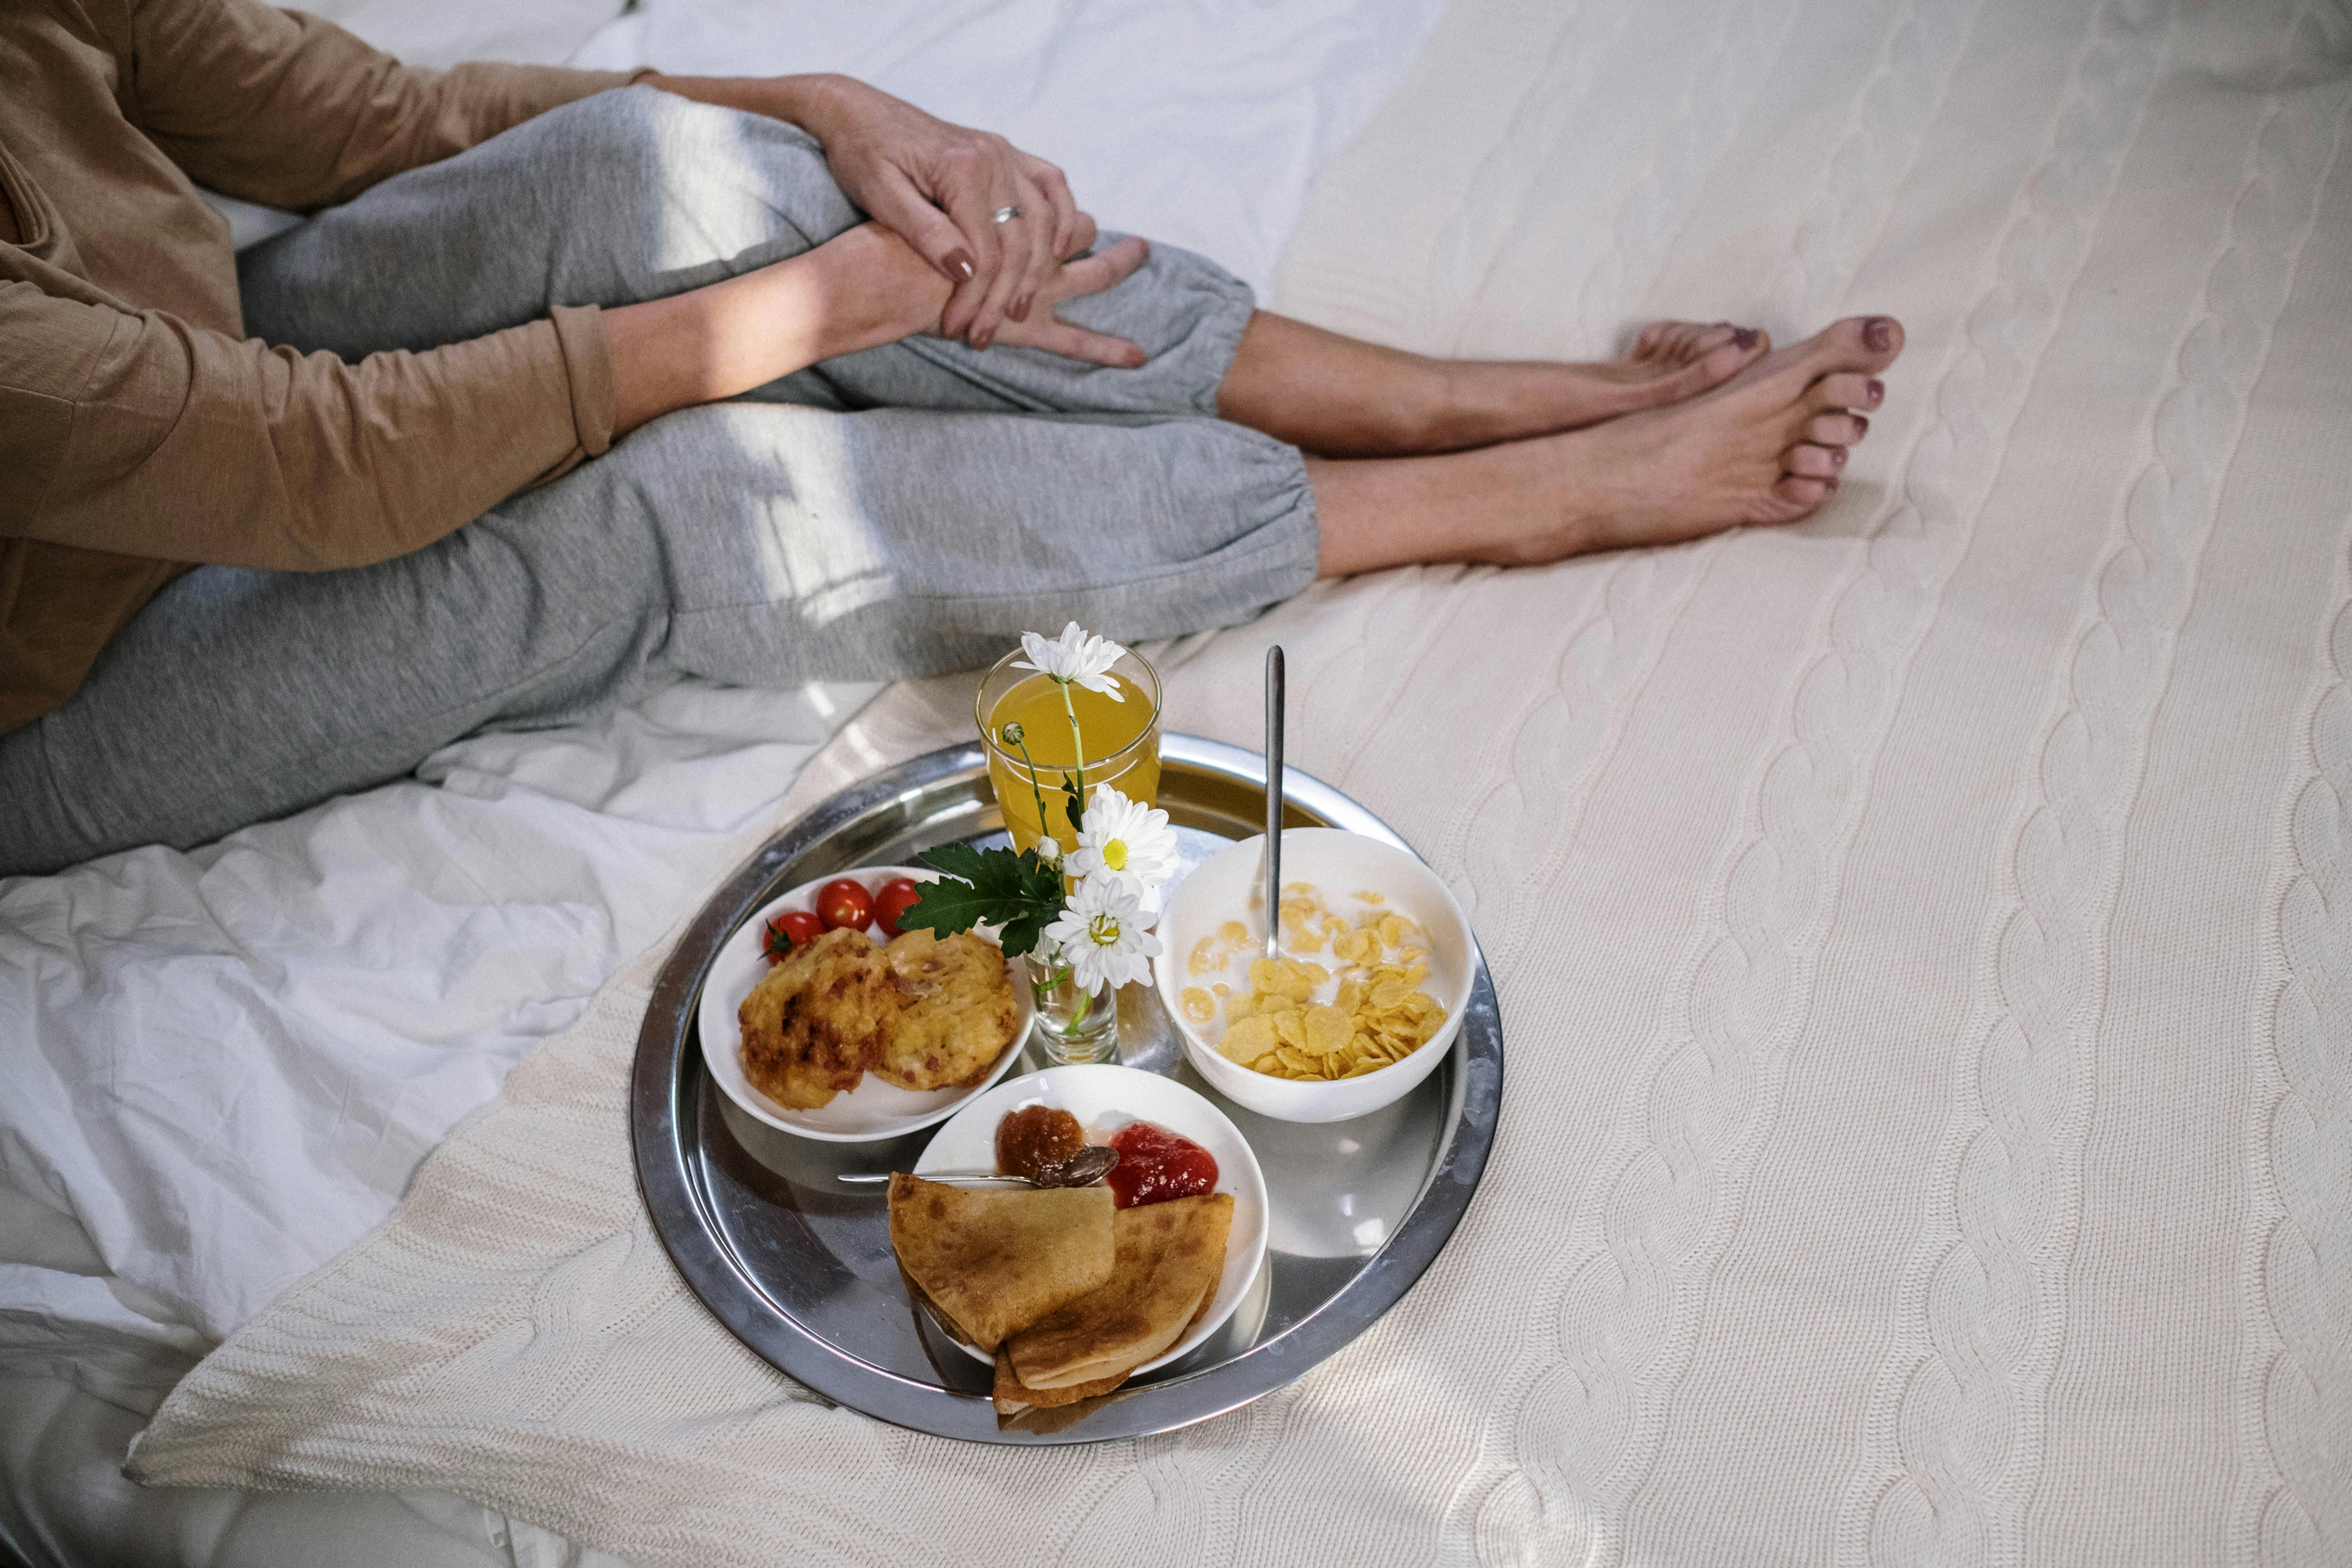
x=904 y=511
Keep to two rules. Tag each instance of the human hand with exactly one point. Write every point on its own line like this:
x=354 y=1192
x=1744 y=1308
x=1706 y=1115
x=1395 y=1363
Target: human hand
x=1040 y=328
x=939 y=186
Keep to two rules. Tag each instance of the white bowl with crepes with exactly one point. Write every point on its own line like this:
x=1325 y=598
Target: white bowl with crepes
x=1104 y=1097
x=1228 y=889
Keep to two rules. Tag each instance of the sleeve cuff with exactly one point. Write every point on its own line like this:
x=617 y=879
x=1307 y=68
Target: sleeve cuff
x=588 y=362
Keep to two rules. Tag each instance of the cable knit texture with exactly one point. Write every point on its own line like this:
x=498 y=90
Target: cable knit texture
x=1920 y=933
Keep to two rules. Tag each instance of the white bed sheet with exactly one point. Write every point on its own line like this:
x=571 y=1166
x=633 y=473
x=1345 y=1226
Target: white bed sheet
x=224 y=1065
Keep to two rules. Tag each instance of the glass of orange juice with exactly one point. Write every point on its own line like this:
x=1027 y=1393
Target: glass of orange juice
x=1121 y=740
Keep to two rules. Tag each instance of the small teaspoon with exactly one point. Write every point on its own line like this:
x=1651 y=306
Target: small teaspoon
x=1083 y=1169
x=1274 y=692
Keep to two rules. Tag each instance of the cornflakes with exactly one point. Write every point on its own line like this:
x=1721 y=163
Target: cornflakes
x=1379 y=1016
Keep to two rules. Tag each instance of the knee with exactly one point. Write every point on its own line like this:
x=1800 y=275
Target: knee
x=700 y=158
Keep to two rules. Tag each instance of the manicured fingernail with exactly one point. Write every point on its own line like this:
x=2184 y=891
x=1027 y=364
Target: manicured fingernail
x=1837 y=456
x=1135 y=358
x=1019 y=311
x=1877 y=391
x=981 y=340
x=1879 y=333
x=1745 y=339
x=958 y=264
x=1832 y=483
x=1862 y=426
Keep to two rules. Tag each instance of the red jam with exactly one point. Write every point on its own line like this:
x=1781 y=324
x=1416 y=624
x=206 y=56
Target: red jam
x=1155 y=1165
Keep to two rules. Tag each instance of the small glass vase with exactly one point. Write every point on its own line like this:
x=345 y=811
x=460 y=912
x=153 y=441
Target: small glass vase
x=1072 y=1026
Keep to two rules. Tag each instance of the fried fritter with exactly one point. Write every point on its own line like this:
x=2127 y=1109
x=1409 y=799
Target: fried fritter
x=815 y=1023
x=959 y=1016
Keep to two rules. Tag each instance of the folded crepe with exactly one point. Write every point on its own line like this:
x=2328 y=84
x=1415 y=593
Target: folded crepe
x=1013 y=1397
x=1171 y=1255
x=995 y=1259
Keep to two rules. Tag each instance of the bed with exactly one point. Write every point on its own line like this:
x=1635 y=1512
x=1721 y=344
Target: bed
x=1919 y=933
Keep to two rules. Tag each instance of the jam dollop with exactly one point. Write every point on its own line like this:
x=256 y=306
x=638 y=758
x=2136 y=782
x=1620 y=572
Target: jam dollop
x=1036 y=1136
x=1155 y=1165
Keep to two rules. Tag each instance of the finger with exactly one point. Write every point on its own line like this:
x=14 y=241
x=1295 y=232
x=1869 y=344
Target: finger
x=1018 y=236
x=1043 y=260
x=893 y=202
x=1056 y=187
x=1058 y=336
x=1105 y=270
x=968 y=194
x=1083 y=234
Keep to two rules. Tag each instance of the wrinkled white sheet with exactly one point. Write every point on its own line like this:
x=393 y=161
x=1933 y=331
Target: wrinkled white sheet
x=1198 y=123
x=222 y=1066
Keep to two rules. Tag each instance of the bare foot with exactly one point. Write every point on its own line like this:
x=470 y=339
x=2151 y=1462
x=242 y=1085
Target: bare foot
x=1488 y=402
x=1765 y=447
x=1340 y=398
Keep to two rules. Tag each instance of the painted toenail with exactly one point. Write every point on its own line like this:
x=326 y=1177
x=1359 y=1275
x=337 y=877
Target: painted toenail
x=1832 y=483
x=1744 y=338
x=1877 y=391
x=1861 y=427
x=1879 y=333
x=1837 y=456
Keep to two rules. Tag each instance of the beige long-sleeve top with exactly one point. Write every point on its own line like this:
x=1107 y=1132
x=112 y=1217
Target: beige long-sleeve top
x=141 y=430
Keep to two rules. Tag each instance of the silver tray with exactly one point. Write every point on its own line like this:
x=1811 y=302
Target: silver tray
x=799 y=1266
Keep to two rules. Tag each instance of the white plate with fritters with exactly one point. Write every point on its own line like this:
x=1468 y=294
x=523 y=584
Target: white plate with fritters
x=1105 y=1099
x=874 y=1109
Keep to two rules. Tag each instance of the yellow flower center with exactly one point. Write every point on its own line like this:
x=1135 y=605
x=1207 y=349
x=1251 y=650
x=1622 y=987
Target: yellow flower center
x=1103 y=931
x=1114 y=854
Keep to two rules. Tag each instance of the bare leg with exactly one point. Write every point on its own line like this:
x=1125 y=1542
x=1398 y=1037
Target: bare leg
x=1338 y=397
x=1763 y=447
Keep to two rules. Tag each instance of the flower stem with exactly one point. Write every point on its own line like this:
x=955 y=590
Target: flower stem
x=1077 y=755
x=1035 y=793
x=1077 y=745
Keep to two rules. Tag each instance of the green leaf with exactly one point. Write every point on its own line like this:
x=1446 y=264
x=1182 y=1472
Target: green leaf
x=1077 y=810
x=947 y=907
x=987 y=887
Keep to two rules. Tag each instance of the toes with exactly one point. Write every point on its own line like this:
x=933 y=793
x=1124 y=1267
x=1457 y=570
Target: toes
x=1836 y=429
x=1847 y=389
x=1802 y=494
x=1864 y=343
x=1688 y=342
x=1697 y=342
x=1807 y=461
x=1724 y=360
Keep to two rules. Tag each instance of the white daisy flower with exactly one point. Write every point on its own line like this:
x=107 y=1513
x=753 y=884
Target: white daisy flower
x=1100 y=934
x=1124 y=838
x=1075 y=659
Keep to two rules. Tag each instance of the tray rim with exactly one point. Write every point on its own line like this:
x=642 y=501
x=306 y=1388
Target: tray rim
x=668 y=1186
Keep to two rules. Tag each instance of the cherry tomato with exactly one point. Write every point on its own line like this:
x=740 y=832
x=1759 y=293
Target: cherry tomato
x=786 y=933
x=844 y=905
x=897 y=896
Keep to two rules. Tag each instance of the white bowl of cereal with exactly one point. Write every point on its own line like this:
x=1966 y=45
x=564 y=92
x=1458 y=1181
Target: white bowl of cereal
x=1377 y=970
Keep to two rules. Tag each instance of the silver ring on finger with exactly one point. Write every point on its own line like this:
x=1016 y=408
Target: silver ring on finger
x=1006 y=215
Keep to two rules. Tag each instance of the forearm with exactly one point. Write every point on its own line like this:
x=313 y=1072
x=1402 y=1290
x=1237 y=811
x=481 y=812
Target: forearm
x=858 y=291
x=814 y=102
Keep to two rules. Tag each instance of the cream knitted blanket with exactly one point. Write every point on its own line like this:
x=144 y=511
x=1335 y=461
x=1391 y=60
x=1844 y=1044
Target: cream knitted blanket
x=1923 y=936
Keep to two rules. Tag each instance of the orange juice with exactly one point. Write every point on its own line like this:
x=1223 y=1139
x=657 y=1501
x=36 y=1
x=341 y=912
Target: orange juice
x=1122 y=750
